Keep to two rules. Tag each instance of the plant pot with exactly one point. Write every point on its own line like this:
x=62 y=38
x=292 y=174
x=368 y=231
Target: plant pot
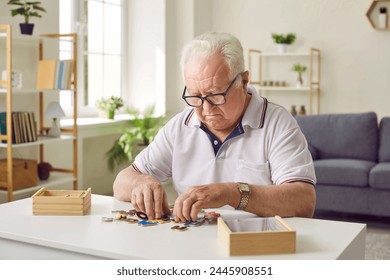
x=106 y=114
x=282 y=48
x=299 y=81
x=110 y=114
x=26 y=28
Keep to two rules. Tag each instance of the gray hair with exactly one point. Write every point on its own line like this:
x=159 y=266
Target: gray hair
x=211 y=43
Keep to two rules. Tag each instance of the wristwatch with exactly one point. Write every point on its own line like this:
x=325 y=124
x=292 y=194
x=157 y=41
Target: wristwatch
x=245 y=191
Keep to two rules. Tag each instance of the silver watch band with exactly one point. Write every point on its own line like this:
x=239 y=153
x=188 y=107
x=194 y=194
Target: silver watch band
x=245 y=193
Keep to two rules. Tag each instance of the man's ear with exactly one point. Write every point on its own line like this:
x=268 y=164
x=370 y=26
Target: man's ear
x=245 y=80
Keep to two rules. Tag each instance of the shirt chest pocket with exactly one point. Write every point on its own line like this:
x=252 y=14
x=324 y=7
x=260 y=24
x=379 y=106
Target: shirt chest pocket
x=253 y=173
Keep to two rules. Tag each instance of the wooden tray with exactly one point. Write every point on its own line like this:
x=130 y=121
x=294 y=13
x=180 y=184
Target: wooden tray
x=279 y=241
x=61 y=202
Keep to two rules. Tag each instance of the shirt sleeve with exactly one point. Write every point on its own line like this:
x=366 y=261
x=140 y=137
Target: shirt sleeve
x=289 y=156
x=156 y=159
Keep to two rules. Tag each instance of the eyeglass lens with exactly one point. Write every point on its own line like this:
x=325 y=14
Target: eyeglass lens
x=213 y=99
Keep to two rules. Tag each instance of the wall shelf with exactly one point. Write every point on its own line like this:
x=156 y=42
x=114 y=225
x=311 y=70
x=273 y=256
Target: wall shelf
x=58 y=176
x=373 y=14
x=55 y=179
x=314 y=57
x=32 y=90
x=41 y=140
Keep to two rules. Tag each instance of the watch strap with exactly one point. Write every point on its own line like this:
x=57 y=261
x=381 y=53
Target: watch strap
x=244 y=196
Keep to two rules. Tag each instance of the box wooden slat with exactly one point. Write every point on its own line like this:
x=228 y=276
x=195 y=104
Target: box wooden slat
x=61 y=202
x=259 y=242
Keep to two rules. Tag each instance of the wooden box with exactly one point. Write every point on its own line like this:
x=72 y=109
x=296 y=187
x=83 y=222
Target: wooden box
x=61 y=202
x=278 y=239
x=25 y=173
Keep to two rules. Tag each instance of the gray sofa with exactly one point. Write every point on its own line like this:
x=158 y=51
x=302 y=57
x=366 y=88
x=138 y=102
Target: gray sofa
x=351 y=154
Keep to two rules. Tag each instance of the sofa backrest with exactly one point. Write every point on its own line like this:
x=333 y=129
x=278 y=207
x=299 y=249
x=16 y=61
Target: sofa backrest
x=384 y=140
x=351 y=136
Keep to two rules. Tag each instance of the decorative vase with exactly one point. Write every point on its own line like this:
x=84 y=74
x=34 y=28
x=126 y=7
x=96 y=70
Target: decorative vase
x=106 y=114
x=282 y=48
x=110 y=114
x=300 y=80
x=302 y=111
x=293 y=110
x=44 y=169
x=26 y=28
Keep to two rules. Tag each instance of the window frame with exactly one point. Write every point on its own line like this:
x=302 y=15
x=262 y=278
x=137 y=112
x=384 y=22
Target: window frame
x=77 y=26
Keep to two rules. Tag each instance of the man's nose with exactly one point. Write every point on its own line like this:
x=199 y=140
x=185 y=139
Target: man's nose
x=207 y=105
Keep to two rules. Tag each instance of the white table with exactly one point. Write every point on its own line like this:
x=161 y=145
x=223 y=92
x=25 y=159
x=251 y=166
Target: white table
x=26 y=236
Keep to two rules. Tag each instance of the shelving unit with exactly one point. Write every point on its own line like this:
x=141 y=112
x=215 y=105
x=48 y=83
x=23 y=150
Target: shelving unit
x=313 y=87
x=58 y=176
x=373 y=14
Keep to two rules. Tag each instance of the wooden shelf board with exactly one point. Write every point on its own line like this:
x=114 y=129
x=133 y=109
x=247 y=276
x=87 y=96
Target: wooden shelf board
x=32 y=90
x=20 y=91
x=286 y=54
x=41 y=140
x=285 y=88
x=55 y=179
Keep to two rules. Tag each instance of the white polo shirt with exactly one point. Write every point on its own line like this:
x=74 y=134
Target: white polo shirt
x=271 y=150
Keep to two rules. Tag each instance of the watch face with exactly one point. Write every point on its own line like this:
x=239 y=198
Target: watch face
x=244 y=187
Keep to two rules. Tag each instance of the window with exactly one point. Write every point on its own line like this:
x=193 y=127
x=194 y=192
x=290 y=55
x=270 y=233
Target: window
x=100 y=26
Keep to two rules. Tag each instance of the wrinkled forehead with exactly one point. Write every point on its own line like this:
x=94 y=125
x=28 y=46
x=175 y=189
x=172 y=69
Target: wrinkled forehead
x=206 y=72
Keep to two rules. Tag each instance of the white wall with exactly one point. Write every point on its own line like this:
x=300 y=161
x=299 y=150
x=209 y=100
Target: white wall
x=146 y=54
x=355 y=57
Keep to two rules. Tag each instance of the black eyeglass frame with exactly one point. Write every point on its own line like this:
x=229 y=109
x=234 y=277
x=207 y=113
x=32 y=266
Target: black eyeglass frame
x=203 y=98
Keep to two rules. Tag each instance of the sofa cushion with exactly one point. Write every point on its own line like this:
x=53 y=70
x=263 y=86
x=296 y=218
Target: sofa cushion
x=346 y=172
x=380 y=176
x=384 y=140
x=344 y=136
x=313 y=151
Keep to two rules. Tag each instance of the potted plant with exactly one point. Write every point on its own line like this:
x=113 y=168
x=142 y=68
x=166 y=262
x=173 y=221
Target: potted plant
x=109 y=105
x=141 y=131
x=283 y=41
x=26 y=9
x=299 y=69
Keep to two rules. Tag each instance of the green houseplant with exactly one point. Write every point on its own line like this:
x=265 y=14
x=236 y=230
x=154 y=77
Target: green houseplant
x=141 y=131
x=26 y=9
x=282 y=40
x=109 y=105
x=299 y=68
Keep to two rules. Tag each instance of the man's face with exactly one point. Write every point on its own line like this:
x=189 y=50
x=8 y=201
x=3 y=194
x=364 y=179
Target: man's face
x=211 y=76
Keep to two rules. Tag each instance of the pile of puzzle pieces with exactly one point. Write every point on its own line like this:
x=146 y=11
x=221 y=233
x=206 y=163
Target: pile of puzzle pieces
x=129 y=217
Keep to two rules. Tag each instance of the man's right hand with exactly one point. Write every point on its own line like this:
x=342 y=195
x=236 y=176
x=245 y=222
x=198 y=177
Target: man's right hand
x=145 y=193
x=149 y=197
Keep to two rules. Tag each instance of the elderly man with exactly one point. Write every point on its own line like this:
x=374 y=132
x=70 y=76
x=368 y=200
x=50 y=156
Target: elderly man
x=229 y=147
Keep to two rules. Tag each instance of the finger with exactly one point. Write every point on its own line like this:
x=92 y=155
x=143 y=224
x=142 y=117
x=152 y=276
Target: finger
x=149 y=204
x=186 y=209
x=138 y=202
x=165 y=205
x=195 y=209
x=158 y=200
x=177 y=211
x=134 y=201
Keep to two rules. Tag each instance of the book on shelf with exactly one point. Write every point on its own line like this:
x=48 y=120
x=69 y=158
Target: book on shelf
x=54 y=74
x=46 y=74
x=24 y=128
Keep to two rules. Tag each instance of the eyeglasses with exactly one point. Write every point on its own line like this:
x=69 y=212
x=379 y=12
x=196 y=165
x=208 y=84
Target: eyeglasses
x=214 y=99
